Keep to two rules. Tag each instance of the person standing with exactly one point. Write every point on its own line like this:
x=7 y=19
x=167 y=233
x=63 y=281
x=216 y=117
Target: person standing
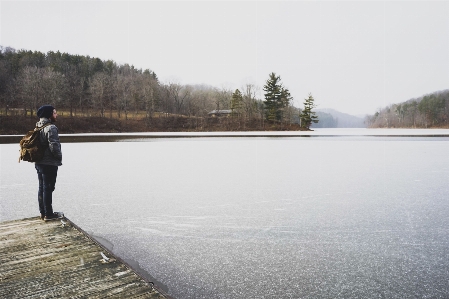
x=47 y=167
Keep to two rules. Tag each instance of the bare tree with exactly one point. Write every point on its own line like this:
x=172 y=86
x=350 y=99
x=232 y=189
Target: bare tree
x=30 y=89
x=38 y=86
x=249 y=100
x=54 y=86
x=178 y=93
x=147 y=89
x=124 y=94
x=222 y=98
x=202 y=99
x=98 y=89
x=74 y=88
x=166 y=99
x=12 y=95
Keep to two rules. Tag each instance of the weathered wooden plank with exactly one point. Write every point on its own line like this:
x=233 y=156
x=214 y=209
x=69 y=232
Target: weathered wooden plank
x=51 y=260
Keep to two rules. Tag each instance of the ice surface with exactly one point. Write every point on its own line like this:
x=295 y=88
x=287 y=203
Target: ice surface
x=259 y=217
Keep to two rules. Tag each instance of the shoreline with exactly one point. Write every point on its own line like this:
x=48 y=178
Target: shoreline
x=20 y=125
x=328 y=133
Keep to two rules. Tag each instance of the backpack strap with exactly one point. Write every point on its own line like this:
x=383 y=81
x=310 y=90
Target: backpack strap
x=40 y=128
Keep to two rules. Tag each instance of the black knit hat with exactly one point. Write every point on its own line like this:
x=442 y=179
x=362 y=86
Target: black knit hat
x=45 y=111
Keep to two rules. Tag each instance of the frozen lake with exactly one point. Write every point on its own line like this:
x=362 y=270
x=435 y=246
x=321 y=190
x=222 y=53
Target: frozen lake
x=343 y=214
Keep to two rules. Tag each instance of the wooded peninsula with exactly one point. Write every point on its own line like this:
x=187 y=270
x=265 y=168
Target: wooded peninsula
x=92 y=95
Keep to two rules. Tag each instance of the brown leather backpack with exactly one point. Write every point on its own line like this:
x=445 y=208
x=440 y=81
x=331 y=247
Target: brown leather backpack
x=31 y=148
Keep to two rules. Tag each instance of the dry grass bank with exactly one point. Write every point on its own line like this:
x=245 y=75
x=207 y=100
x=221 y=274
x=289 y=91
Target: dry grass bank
x=19 y=125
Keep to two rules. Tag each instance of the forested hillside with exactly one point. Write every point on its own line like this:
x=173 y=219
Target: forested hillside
x=84 y=86
x=428 y=111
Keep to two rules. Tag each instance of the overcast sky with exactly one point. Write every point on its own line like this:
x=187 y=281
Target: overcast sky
x=353 y=56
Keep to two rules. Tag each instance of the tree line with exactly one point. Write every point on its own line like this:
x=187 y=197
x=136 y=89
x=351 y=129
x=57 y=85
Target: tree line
x=431 y=110
x=86 y=86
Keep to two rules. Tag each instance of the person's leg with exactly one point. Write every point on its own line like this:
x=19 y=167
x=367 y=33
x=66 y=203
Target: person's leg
x=40 y=193
x=49 y=182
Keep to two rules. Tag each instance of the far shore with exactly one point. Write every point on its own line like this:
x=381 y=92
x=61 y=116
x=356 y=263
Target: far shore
x=19 y=125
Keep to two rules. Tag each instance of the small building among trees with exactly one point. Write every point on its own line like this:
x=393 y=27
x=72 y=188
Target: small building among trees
x=220 y=113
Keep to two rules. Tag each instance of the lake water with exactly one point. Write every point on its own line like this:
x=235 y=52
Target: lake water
x=340 y=214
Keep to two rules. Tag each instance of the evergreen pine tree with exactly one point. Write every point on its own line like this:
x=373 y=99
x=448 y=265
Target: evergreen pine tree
x=236 y=103
x=273 y=97
x=284 y=102
x=308 y=116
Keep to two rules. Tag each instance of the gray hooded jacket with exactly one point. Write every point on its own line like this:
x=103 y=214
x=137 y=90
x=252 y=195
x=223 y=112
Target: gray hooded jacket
x=49 y=136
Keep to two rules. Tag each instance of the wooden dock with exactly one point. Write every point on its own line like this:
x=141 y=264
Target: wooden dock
x=56 y=259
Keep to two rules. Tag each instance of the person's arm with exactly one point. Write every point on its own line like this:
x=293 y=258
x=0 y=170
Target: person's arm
x=53 y=142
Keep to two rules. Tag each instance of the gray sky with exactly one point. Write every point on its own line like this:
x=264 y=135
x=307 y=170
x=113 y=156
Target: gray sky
x=353 y=56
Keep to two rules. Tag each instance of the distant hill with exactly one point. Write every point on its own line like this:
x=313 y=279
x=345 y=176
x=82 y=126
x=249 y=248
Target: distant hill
x=330 y=118
x=428 y=111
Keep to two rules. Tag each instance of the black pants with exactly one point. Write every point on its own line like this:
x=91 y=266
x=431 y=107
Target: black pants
x=47 y=181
